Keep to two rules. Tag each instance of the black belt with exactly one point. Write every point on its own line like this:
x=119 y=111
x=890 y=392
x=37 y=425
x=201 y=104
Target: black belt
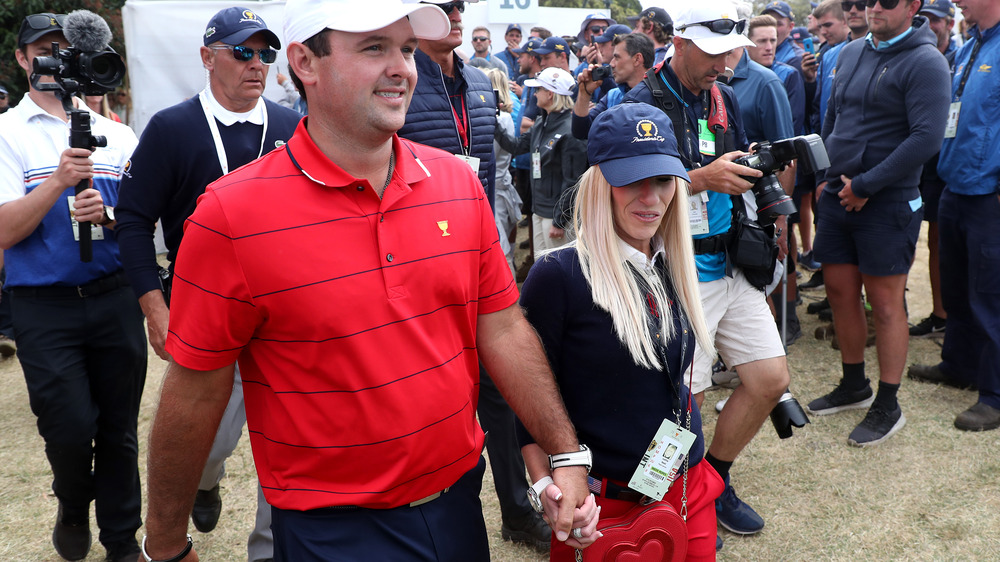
x=615 y=491
x=92 y=289
x=712 y=244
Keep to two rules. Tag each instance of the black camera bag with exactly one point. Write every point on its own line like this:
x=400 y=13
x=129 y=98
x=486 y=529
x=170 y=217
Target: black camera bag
x=751 y=247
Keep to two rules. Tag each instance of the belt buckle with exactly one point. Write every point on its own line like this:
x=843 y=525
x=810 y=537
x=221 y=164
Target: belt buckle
x=429 y=498
x=79 y=291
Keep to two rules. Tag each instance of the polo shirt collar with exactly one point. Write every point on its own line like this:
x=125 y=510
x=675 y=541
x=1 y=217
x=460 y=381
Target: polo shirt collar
x=639 y=259
x=29 y=109
x=227 y=118
x=315 y=165
x=883 y=45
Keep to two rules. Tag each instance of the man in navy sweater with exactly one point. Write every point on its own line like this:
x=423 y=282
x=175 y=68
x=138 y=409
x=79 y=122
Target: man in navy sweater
x=885 y=119
x=183 y=149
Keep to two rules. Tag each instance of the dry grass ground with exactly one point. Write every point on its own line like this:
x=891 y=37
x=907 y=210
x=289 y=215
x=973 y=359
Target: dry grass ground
x=929 y=493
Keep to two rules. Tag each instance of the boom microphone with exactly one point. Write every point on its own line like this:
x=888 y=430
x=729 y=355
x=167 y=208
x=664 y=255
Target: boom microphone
x=86 y=31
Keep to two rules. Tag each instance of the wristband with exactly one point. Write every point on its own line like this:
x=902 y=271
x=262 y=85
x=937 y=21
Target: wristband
x=583 y=457
x=175 y=558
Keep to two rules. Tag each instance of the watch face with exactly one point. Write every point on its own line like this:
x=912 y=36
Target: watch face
x=536 y=502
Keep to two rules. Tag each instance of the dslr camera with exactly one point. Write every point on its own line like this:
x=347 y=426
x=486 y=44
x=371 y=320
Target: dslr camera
x=600 y=73
x=769 y=158
x=93 y=73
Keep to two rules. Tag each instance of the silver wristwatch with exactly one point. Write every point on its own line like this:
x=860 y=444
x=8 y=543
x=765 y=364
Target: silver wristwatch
x=583 y=457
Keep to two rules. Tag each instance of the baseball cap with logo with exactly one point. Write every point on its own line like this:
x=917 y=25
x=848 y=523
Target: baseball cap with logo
x=553 y=45
x=554 y=80
x=235 y=25
x=712 y=25
x=612 y=32
x=780 y=8
x=660 y=16
x=939 y=8
x=512 y=27
x=35 y=26
x=634 y=141
x=305 y=18
x=530 y=45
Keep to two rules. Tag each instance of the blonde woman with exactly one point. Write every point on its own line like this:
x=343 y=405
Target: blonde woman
x=507 y=205
x=557 y=158
x=618 y=313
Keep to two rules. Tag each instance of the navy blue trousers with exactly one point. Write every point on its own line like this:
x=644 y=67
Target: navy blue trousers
x=448 y=529
x=970 y=289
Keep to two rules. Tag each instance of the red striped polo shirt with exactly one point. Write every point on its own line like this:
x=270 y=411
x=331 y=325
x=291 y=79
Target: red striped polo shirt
x=353 y=319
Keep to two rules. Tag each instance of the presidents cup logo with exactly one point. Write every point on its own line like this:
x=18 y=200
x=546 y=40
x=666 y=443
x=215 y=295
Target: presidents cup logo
x=249 y=16
x=646 y=130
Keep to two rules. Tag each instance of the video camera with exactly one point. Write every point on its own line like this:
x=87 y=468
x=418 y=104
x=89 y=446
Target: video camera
x=769 y=158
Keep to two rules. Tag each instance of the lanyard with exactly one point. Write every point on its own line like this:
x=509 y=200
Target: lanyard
x=220 y=149
x=968 y=67
x=460 y=124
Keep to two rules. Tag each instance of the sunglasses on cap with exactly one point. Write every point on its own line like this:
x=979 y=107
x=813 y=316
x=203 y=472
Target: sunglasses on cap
x=859 y=4
x=724 y=26
x=480 y=38
x=39 y=22
x=598 y=29
x=447 y=8
x=245 y=54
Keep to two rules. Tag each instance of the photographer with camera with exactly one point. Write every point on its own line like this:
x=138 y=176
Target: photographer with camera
x=184 y=148
x=711 y=136
x=631 y=58
x=78 y=328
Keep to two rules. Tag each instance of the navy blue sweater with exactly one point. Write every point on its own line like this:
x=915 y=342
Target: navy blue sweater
x=615 y=405
x=886 y=115
x=171 y=166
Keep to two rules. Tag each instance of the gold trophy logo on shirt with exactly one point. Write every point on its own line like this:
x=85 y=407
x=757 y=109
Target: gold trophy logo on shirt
x=443 y=225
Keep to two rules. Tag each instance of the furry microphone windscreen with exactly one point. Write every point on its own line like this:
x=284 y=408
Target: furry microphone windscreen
x=87 y=31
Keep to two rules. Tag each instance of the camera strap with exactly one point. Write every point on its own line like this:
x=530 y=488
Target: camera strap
x=213 y=126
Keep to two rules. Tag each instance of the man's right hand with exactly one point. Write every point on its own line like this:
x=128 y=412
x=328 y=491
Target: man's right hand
x=723 y=175
x=810 y=65
x=157 y=321
x=75 y=166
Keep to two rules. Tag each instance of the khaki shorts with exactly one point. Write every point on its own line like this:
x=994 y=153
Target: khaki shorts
x=741 y=324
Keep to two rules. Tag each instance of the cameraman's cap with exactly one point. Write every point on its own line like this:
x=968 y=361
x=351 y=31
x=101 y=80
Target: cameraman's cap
x=305 y=18
x=553 y=45
x=939 y=8
x=780 y=8
x=235 y=25
x=554 y=80
x=612 y=32
x=707 y=40
x=529 y=46
x=35 y=26
x=660 y=16
x=634 y=141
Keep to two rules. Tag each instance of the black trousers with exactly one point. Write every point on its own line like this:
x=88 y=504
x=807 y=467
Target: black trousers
x=84 y=362
x=506 y=462
x=6 y=327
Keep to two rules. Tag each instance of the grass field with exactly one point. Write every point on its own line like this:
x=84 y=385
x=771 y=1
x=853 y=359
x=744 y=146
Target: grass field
x=929 y=493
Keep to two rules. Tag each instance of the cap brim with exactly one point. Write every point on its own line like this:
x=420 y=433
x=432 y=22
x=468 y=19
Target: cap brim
x=35 y=35
x=428 y=20
x=624 y=171
x=714 y=43
x=244 y=34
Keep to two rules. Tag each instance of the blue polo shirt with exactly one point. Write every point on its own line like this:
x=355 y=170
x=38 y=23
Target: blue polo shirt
x=767 y=115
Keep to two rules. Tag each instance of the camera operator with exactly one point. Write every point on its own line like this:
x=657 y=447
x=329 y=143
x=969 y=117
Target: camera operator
x=79 y=330
x=183 y=149
x=745 y=333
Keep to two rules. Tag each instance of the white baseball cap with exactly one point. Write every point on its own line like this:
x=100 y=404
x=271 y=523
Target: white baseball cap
x=305 y=18
x=554 y=80
x=696 y=20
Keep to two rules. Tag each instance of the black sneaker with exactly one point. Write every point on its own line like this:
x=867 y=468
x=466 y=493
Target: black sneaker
x=930 y=327
x=879 y=424
x=815 y=307
x=814 y=282
x=842 y=399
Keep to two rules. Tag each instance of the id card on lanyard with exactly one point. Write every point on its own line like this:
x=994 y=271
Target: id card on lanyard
x=220 y=148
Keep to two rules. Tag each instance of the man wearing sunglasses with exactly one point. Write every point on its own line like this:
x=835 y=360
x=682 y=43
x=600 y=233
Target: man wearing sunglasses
x=78 y=328
x=705 y=33
x=453 y=108
x=886 y=117
x=183 y=149
x=481 y=44
x=594 y=25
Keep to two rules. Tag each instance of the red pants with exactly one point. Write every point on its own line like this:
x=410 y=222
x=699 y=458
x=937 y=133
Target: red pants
x=703 y=487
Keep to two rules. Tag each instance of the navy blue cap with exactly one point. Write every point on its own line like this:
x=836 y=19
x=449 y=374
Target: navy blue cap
x=235 y=25
x=612 y=32
x=939 y=8
x=512 y=27
x=658 y=15
x=632 y=142
x=780 y=8
x=530 y=46
x=799 y=33
x=553 y=45
x=35 y=26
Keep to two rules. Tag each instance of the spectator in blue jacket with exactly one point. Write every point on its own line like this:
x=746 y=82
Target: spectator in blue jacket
x=969 y=219
x=508 y=55
x=787 y=52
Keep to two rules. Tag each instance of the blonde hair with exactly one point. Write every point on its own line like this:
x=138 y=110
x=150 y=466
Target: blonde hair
x=613 y=286
x=561 y=103
x=502 y=86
